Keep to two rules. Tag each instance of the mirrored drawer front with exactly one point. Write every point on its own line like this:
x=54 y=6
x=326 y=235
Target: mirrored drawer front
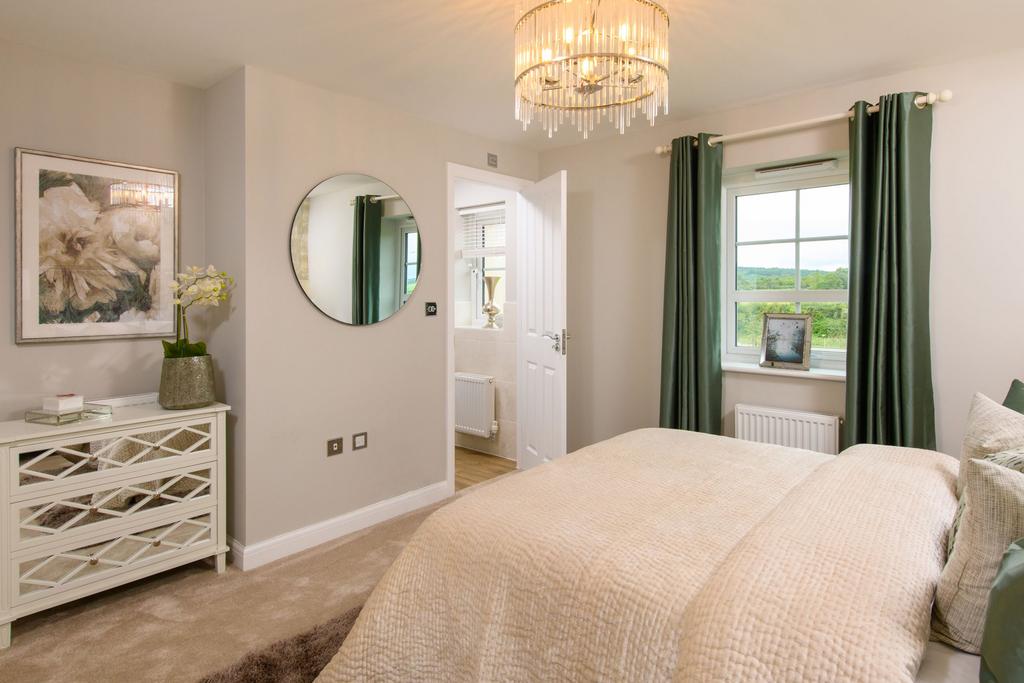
x=56 y=571
x=110 y=452
x=124 y=501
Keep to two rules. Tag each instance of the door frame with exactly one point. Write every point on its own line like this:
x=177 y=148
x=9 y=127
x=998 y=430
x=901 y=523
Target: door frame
x=478 y=175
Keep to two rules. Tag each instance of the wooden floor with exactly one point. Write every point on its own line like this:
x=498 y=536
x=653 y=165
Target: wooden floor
x=472 y=467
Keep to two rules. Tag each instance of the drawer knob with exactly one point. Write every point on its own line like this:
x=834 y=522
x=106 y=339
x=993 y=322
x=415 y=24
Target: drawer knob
x=93 y=561
x=156 y=544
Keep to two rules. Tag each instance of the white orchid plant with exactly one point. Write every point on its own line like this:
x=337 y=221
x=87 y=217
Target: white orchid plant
x=195 y=287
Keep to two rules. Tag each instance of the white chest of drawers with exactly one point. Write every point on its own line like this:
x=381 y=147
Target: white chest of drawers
x=98 y=504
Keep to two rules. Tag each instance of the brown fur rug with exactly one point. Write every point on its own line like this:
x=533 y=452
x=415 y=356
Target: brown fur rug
x=298 y=659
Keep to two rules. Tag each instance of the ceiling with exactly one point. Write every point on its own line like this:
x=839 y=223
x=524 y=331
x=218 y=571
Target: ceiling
x=451 y=60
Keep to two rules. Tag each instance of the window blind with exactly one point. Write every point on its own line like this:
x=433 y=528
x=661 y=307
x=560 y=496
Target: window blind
x=483 y=230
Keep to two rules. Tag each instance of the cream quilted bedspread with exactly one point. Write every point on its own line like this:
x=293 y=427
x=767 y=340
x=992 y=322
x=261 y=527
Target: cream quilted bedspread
x=664 y=555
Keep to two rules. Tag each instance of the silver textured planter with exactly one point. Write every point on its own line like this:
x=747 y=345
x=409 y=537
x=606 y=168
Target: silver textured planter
x=187 y=383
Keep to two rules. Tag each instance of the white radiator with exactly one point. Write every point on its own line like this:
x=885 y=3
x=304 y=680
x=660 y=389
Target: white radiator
x=792 y=428
x=474 y=404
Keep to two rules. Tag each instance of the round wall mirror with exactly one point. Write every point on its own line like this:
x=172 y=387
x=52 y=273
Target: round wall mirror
x=355 y=249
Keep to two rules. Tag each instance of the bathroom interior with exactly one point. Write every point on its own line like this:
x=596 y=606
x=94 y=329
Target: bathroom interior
x=484 y=317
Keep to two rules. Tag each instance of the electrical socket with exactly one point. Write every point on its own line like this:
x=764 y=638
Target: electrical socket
x=360 y=441
x=335 y=446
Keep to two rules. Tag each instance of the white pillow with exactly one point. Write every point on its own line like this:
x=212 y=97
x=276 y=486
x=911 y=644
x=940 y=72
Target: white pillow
x=991 y=428
x=1013 y=459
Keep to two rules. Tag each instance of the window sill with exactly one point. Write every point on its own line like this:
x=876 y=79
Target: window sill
x=814 y=373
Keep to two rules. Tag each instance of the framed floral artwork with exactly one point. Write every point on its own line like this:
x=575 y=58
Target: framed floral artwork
x=96 y=248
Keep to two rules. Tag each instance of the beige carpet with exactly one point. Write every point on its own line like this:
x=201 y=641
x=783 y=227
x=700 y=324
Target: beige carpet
x=191 y=622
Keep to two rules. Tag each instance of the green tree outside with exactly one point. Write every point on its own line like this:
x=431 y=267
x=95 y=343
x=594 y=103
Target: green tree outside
x=829 y=321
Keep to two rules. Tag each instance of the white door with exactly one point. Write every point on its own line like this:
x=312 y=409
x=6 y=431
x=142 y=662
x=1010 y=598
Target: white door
x=541 y=338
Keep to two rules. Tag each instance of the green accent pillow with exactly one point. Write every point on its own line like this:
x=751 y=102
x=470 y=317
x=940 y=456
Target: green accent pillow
x=1015 y=397
x=1002 y=647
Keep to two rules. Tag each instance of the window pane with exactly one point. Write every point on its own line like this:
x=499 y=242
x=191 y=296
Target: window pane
x=748 y=320
x=766 y=266
x=825 y=265
x=769 y=216
x=412 y=247
x=825 y=211
x=494 y=265
x=829 y=321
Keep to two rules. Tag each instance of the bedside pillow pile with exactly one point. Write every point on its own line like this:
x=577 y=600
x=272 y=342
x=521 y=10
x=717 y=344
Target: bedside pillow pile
x=990 y=517
x=992 y=520
x=991 y=428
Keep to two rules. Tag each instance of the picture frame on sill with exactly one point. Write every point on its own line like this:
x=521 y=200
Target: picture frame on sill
x=786 y=341
x=96 y=248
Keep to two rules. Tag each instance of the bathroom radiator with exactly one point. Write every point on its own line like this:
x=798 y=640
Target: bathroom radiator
x=792 y=428
x=474 y=404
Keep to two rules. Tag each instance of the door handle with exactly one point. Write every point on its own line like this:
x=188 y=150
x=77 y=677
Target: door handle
x=557 y=339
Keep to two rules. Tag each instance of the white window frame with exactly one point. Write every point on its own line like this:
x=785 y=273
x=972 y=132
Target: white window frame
x=746 y=184
x=409 y=227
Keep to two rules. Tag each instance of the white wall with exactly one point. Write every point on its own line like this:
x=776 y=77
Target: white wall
x=224 y=133
x=309 y=378
x=70 y=107
x=618 y=191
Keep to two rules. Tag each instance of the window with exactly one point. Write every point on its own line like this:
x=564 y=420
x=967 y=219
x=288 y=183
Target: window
x=483 y=252
x=788 y=251
x=410 y=270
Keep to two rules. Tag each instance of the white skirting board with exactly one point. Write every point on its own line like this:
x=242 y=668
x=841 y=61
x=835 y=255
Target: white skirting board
x=248 y=557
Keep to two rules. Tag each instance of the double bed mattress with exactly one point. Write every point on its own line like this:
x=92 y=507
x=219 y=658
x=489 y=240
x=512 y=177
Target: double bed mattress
x=667 y=555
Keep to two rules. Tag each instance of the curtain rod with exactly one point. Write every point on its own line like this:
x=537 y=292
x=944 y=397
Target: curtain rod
x=481 y=208
x=921 y=101
x=374 y=198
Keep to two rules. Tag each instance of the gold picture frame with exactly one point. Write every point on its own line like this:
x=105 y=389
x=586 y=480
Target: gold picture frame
x=96 y=244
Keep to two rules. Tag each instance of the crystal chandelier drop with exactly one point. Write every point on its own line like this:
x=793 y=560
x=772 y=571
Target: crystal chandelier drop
x=584 y=60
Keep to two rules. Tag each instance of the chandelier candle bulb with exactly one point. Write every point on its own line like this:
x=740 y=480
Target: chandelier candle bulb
x=589 y=60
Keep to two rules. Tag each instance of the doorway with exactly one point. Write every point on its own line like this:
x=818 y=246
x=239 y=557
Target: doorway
x=506 y=328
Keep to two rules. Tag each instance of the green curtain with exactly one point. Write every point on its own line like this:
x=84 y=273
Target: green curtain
x=366 y=261
x=691 y=344
x=889 y=374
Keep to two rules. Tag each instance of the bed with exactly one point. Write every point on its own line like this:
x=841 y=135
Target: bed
x=670 y=555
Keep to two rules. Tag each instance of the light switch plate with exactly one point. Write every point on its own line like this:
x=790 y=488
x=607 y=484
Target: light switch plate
x=359 y=441
x=492 y=160
x=335 y=446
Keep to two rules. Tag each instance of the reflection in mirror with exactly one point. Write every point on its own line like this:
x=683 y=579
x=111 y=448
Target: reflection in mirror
x=355 y=249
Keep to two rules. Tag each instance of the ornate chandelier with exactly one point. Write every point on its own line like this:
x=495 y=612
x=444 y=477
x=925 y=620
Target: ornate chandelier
x=584 y=60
